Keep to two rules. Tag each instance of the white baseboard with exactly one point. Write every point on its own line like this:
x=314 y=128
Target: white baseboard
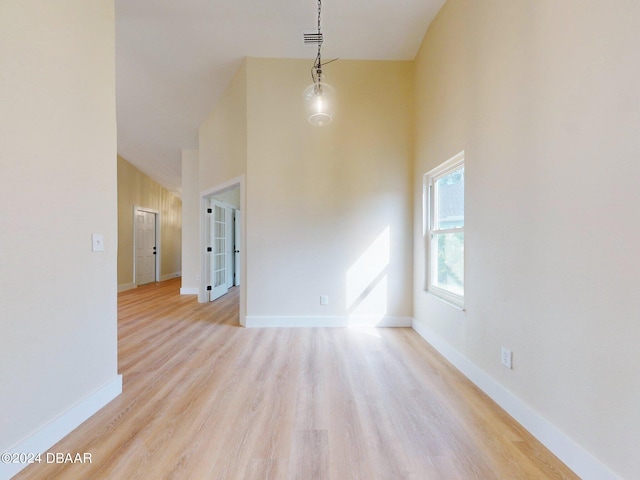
x=189 y=291
x=126 y=286
x=57 y=429
x=585 y=465
x=336 y=321
x=169 y=276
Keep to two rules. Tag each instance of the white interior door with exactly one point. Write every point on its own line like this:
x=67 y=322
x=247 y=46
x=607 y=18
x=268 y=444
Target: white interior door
x=236 y=246
x=230 y=246
x=218 y=250
x=145 y=247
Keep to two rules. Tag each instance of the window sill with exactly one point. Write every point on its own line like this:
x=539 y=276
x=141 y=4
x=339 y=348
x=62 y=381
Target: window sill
x=445 y=297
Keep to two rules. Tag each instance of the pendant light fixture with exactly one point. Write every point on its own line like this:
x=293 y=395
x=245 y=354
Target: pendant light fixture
x=319 y=97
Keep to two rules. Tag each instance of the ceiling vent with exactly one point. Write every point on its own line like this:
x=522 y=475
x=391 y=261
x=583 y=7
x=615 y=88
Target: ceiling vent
x=312 y=37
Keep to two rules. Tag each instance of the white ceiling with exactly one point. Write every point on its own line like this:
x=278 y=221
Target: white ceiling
x=174 y=58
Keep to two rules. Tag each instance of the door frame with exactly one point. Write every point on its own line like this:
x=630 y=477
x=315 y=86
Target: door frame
x=137 y=209
x=237 y=182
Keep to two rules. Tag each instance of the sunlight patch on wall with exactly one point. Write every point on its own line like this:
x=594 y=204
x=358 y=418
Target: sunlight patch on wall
x=367 y=292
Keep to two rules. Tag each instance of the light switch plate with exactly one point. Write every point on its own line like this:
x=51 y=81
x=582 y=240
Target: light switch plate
x=506 y=357
x=97 y=242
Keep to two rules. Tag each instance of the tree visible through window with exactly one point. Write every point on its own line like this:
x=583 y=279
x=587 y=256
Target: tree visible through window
x=445 y=230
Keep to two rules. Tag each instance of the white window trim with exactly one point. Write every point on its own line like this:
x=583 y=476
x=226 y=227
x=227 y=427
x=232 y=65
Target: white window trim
x=429 y=178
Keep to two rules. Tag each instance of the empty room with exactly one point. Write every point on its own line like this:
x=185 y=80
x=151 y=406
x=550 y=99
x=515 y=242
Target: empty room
x=319 y=239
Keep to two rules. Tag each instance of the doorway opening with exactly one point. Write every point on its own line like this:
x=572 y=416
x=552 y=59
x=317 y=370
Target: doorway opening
x=222 y=235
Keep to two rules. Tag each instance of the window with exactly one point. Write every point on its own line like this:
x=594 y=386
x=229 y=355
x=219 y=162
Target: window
x=444 y=195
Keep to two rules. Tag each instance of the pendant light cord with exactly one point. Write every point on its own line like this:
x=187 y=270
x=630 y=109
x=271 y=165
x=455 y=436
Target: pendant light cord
x=316 y=72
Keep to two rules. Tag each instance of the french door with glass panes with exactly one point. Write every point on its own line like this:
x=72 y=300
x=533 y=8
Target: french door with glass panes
x=218 y=250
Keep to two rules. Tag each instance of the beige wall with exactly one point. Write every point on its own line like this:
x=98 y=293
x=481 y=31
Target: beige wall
x=328 y=209
x=543 y=97
x=58 y=339
x=223 y=135
x=136 y=189
x=190 y=223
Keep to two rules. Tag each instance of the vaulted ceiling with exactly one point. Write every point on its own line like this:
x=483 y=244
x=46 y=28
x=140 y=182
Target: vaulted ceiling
x=175 y=58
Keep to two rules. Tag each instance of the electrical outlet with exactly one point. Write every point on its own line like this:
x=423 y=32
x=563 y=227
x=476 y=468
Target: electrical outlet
x=506 y=357
x=324 y=299
x=97 y=242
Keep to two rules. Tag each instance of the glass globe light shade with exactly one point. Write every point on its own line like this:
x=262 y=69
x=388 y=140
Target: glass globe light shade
x=319 y=99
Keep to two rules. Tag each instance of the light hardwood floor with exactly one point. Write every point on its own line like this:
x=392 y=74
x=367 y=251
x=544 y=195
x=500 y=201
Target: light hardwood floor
x=206 y=399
